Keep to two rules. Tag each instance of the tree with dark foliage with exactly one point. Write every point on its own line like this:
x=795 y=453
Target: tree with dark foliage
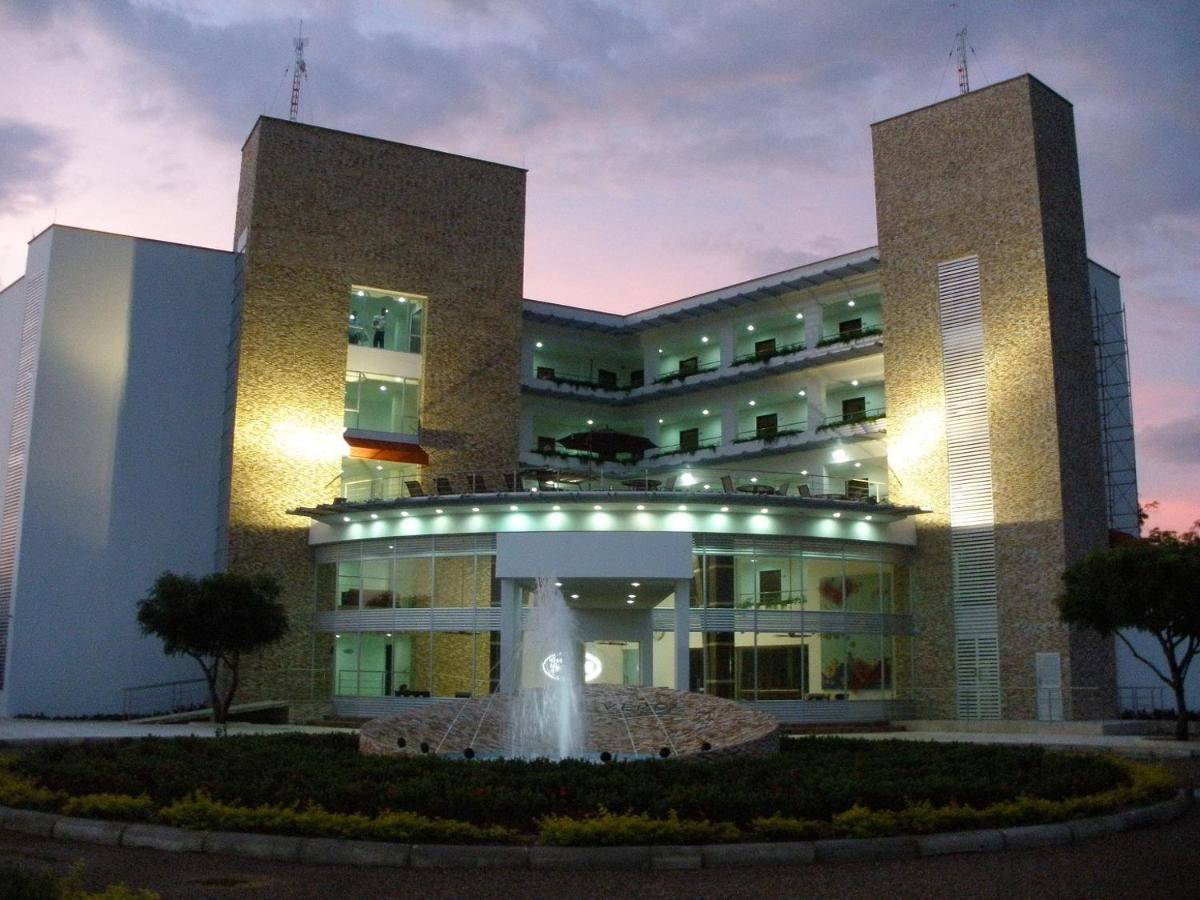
x=214 y=620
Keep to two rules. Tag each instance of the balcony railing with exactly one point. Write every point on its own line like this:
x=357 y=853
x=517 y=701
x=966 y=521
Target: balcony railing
x=853 y=334
x=760 y=433
x=684 y=372
x=712 y=481
x=853 y=418
x=590 y=381
x=764 y=355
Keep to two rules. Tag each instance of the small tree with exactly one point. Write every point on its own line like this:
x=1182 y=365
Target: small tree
x=1150 y=585
x=214 y=620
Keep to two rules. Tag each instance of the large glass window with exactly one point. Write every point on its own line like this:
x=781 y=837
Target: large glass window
x=414 y=664
x=386 y=403
x=386 y=320
x=399 y=581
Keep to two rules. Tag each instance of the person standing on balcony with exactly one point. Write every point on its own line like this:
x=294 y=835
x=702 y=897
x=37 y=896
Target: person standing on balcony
x=380 y=325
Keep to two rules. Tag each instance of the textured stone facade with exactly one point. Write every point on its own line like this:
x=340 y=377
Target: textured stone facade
x=994 y=174
x=319 y=211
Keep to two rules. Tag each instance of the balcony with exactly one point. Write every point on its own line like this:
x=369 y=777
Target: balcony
x=849 y=335
x=765 y=353
x=860 y=417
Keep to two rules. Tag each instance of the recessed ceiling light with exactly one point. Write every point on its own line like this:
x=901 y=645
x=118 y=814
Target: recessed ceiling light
x=597 y=507
x=660 y=349
x=374 y=515
x=683 y=507
x=837 y=515
x=439 y=511
x=383 y=387
x=799 y=315
x=802 y=393
x=345 y=518
x=804 y=471
x=708 y=487
x=635 y=583
x=704 y=411
x=749 y=327
x=764 y=510
x=641 y=506
x=754 y=479
x=632 y=596
x=391 y=546
x=474 y=509
x=591 y=421
x=558 y=584
x=538 y=345
x=858 y=465
x=513 y=507
x=724 y=509
x=403 y=514
x=556 y=507
x=660 y=421
x=574 y=596
x=387 y=634
x=854 y=381
x=869 y=518
x=754 y=403
x=704 y=340
x=379 y=468
x=630 y=602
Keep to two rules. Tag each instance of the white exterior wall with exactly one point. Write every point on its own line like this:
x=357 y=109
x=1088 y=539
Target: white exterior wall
x=123 y=471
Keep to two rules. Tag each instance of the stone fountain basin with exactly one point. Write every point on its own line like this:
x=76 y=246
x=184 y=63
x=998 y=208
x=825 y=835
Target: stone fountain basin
x=622 y=720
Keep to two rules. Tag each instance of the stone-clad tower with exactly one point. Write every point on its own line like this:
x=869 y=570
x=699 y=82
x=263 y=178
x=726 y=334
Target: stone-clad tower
x=993 y=421
x=319 y=211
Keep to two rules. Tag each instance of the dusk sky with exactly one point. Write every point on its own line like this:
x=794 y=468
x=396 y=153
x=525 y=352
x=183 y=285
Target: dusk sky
x=673 y=147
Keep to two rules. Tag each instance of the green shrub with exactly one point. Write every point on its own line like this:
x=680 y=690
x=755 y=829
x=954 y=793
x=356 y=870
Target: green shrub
x=18 y=884
x=24 y=793
x=200 y=812
x=110 y=806
x=786 y=828
x=612 y=829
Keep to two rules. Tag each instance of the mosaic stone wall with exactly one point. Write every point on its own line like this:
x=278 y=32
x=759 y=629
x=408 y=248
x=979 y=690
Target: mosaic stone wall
x=318 y=211
x=994 y=173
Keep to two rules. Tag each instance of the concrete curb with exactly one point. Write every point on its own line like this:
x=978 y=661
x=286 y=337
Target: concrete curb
x=330 y=851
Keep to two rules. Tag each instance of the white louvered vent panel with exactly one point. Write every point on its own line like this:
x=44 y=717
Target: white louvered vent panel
x=972 y=510
x=17 y=455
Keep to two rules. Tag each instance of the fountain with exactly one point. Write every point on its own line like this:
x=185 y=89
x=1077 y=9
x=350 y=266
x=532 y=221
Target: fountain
x=555 y=715
x=548 y=721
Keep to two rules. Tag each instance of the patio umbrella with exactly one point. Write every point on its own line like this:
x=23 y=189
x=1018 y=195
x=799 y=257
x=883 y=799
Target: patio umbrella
x=607 y=443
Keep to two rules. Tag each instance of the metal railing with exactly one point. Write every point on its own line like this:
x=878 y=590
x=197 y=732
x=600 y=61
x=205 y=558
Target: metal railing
x=712 y=479
x=164 y=698
x=764 y=355
x=864 y=417
x=1145 y=700
x=844 y=337
x=677 y=374
x=771 y=432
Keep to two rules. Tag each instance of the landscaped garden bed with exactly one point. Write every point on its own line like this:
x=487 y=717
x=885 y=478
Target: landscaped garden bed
x=814 y=788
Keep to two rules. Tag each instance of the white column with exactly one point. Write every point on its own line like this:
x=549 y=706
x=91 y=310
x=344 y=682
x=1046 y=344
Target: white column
x=510 y=636
x=646 y=652
x=650 y=359
x=815 y=398
x=812 y=326
x=727 y=339
x=683 y=621
x=729 y=421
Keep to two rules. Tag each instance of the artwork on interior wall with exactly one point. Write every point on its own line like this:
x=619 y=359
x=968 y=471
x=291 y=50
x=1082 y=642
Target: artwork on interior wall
x=855 y=593
x=853 y=665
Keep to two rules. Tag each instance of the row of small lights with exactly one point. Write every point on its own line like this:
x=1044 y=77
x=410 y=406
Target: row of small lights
x=629 y=597
x=641 y=507
x=704 y=339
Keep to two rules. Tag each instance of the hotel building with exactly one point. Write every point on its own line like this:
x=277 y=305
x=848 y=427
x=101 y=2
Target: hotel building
x=845 y=491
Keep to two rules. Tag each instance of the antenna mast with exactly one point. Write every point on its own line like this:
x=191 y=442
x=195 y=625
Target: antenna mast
x=964 y=85
x=299 y=70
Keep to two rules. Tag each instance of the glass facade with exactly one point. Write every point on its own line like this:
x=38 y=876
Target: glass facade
x=386 y=320
x=386 y=403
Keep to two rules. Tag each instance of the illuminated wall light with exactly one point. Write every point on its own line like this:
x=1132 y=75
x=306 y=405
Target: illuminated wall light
x=361 y=293
x=383 y=387
x=660 y=350
x=708 y=487
x=754 y=479
x=379 y=468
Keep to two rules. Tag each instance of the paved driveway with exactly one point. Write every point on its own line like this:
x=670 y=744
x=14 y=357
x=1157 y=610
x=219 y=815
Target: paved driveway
x=1156 y=863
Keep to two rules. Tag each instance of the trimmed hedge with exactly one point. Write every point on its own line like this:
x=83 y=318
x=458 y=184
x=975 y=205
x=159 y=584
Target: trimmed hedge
x=299 y=784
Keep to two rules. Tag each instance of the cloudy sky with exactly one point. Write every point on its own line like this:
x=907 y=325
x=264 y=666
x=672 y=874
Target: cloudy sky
x=673 y=146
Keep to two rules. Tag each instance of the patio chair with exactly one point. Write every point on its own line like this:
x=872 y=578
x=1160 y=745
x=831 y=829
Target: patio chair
x=510 y=482
x=669 y=483
x=727 y=484
x=803 y=491
x=783 y=489
x=477 y=484
x=414 y=489
x=443 y=486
